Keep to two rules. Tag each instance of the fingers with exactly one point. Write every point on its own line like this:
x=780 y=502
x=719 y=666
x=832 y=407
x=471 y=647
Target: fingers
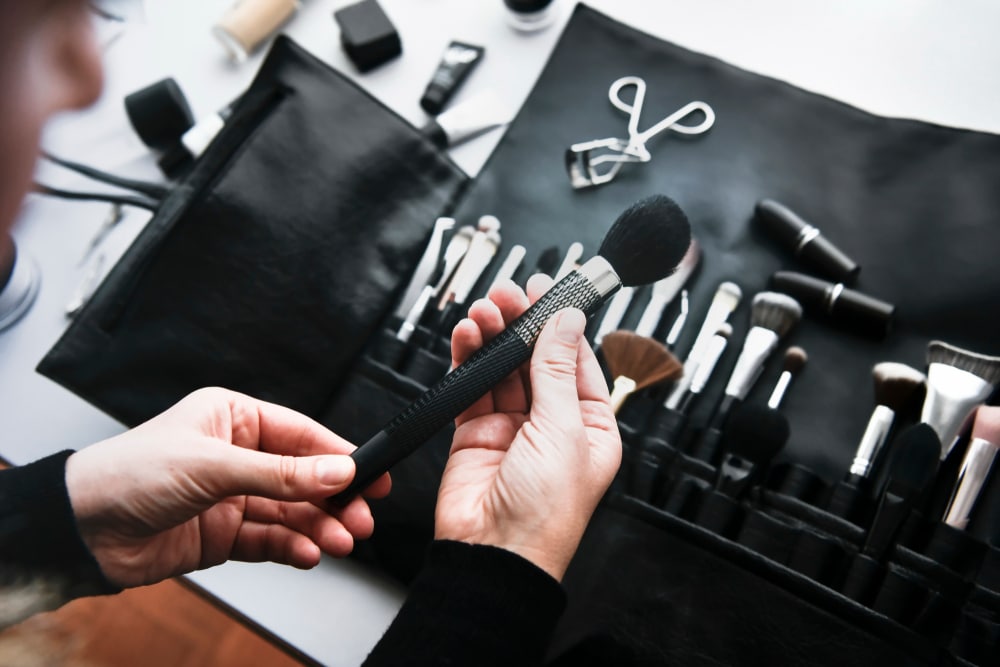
x=260 y=542
x=556 y=401
x=333 y=534
x=233 y=471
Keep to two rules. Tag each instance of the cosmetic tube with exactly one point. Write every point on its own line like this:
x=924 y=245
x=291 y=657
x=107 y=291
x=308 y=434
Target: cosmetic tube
x=458 y=61
x=248 y=23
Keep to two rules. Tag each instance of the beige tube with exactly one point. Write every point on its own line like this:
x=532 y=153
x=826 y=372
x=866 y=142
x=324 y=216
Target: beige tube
x=248 y=23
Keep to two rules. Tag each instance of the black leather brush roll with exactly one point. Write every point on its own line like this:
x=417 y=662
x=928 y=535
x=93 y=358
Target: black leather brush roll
x=679 y=574
x=270 y=265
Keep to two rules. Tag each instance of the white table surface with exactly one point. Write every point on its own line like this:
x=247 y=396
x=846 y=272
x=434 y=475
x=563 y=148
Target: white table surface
x=927 y=59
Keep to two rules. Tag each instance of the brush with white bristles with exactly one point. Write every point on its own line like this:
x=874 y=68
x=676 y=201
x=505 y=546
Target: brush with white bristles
x=772 y=316
x=958 y=382
x=645 y=243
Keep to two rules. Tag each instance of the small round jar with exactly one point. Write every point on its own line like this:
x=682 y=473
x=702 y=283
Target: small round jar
x=530 y=15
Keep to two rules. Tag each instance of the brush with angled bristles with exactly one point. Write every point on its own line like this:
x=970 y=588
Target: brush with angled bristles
x=772 y=316
x=976 y=466
x=795 y=361
x=958 y=382
x=636 y=362
x=643 y=245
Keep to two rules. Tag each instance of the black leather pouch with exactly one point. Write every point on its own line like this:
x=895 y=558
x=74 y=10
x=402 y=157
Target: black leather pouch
x=679 y=573
x=268 y=268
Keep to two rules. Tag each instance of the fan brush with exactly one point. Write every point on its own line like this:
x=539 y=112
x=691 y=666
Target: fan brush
x=645 y=244
x=636 y=362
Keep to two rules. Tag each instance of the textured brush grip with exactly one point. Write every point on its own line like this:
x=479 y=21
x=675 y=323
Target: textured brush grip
x=467 y=383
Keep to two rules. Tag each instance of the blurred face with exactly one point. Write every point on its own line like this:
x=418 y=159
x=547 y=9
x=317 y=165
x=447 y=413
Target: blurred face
x=49 y=61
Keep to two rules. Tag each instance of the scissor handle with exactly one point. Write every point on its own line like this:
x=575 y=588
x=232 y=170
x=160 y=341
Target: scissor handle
x=633 y=109
x=671 y=122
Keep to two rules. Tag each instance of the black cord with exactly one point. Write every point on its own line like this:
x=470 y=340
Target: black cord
x=125 y=200
x=154 y=190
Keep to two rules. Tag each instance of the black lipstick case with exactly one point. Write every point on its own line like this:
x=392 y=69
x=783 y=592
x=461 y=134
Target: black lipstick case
x=839 y=305
x=814 y=250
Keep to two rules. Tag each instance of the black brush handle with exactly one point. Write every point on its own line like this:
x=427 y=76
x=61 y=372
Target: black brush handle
x=462 y=387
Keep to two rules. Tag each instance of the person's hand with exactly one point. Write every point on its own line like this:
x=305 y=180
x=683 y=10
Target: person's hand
x=218 y=476
x=531 y=459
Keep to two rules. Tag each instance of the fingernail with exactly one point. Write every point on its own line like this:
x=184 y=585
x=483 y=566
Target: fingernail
x=569 y=326
x=332 y=470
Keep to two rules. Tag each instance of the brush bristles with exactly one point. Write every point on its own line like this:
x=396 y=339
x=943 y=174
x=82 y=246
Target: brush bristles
x=729 y=294
x=639 y=358
x=775 y=311
x=916 y=454
x=981 y=365
x=756 y=433
x=897 y=386
x=647 y=241
x=987 y=424
x=795 y=359
x=548 y=262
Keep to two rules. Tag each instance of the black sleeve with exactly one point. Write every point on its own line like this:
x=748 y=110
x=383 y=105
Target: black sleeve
x=39 y=540
x=473 y=605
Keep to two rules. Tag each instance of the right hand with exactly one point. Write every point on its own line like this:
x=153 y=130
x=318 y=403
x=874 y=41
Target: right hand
x=531 y=459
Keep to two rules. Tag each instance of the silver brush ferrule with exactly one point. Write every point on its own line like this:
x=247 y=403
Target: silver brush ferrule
x=872 y=441
x=601 y=275
x=971 y=479
x=952 y=398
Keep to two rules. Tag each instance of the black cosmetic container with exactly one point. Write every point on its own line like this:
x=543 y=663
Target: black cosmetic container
x=811 y=248
x=456 y=64
x=836 y=304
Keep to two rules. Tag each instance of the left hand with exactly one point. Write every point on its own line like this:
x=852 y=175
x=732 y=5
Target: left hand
x=218 y=476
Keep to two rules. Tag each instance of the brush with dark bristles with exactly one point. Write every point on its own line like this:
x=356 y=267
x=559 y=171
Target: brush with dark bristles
x=772 y=316
x=795 y=361
x=913 y=464
x=644 y=244
x=897 y=386
x=548 y=261
x=754 y=435
x=958 y=382
x=636 y=362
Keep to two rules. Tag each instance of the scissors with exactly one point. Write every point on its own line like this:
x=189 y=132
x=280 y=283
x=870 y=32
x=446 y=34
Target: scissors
x=585 y=162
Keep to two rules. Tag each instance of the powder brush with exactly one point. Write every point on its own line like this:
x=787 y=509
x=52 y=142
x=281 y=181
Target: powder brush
x=958 y=382
x=754 y=435
x=643 y=245
x=665 y=290
x=636 y=362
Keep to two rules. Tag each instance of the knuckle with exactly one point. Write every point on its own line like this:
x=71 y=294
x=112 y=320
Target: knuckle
x=287 y=471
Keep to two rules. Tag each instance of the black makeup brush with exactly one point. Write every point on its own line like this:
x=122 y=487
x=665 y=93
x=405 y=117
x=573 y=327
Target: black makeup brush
x=795 y=361
x=636 y=362
x=548 y=261
x=913 y=464
x=754 y=435
x=644 y=244
x=772 y=316
x=958 y=382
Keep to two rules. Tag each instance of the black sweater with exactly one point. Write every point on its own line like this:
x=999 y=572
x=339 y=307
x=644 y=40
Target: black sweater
x=470 y=605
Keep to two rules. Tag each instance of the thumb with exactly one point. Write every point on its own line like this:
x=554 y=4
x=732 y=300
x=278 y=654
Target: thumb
x=554 y=396
x=282 y=477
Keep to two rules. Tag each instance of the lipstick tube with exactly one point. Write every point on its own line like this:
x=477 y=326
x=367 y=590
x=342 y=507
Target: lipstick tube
x=839 y=305
x=806 y=242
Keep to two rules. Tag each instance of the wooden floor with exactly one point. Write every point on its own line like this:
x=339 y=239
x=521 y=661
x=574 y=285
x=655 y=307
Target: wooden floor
x=166 y=625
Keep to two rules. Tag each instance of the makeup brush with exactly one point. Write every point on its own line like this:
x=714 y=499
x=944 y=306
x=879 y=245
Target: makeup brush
x=457 y=246
x=678 y=325
x=726 y=298
x=425 y=267
x=509 y=266
x=958 y=382
x=976 y=467
x=896 y=387
x=754 y=435
x=548 y=261
x=613 y=314
x=571 y=261
x=643 y=245
x=913 y=464
x=664 y=291
x=482 y=247
x=795 y=361
x=636 y=362
x=772 y=315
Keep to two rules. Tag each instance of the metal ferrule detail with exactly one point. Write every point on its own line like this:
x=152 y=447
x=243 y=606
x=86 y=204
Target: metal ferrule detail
x=807 y=235
x=586 y=288
x=953 y=395
x=759 y=343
